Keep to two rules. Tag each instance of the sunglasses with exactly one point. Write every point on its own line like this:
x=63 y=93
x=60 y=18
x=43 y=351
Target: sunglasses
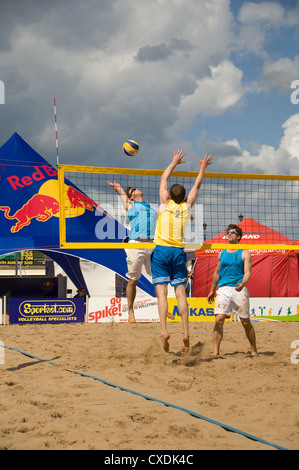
x=231 y=232
x=132 y=190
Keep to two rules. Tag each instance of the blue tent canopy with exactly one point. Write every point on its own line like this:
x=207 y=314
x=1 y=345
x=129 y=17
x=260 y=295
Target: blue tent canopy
x=29 y=215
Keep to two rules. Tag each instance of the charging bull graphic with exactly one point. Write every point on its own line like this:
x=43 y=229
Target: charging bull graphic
x=39 y=206
x=77 y=199
x=45 y=204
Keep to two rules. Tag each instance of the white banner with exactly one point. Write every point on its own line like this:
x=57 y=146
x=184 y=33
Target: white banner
x=275 y=308
x=115 y=309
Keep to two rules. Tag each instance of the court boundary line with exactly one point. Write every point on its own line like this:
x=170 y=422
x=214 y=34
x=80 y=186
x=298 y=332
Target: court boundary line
x=156 y=400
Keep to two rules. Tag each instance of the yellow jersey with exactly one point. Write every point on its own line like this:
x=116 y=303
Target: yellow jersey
x=172 y=223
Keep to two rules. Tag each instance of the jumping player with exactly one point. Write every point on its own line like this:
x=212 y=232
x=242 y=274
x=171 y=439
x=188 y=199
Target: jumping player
x=168 y=260
x=143 y=218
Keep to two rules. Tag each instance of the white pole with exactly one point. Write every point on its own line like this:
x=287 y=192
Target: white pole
x=56 y=132
x=4 y=309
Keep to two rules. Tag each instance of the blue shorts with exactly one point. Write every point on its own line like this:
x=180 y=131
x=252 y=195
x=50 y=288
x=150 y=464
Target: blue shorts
x=168 y=264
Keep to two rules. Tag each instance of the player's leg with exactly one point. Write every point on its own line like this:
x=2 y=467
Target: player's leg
x=134 y=263
x=242 y=307
x=161 y=279
x=131 y=294
x=218 y=333
x=161 y=293
x=250 y=333
x=180 y=294
x=222 y=311
x=179 y=278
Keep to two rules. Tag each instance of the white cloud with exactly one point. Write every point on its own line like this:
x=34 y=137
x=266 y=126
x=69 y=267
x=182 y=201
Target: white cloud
x=290 y=139
x=121 y=69
x=258 y=22
x=279 y=74
x=87 y=57
x=267 y=13
x=230 y=156
x=214 y=94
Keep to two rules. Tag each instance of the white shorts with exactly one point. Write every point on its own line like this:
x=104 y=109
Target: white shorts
x=228 y=301
x=136 y=259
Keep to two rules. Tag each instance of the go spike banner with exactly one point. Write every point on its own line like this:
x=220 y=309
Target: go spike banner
x=32 y=311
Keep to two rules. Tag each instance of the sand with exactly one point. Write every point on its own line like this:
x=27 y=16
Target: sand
x=47 y=406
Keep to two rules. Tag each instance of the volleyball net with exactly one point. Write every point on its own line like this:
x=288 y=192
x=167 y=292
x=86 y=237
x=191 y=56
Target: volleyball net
x=264 y=206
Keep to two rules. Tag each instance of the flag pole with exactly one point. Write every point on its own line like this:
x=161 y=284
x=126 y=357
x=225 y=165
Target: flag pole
x=56 y=132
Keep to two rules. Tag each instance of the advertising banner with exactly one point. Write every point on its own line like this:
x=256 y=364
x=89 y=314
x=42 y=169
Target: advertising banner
x=29 y=311
x=267 y=309
x=199 y=309
x=115 y=309
x=274 y=308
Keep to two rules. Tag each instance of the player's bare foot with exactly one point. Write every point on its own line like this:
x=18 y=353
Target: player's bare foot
x=165 y=342
x=170 y=316
x=186 y=346
x=131 y=318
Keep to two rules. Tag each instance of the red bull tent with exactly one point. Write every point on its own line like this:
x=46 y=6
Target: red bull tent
x=29 y=215
x=274 y=273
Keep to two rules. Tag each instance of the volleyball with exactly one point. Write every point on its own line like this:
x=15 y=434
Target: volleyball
x=131 y=148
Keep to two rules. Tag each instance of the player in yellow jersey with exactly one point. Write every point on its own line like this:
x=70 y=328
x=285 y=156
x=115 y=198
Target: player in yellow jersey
x=168 y=259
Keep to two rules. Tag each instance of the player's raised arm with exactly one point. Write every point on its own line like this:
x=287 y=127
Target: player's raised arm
x=119 y=190
x=177 y=160
x=194 y=190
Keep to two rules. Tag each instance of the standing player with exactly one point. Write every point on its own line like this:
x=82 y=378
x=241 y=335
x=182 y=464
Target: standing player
x=168 y=259
x=232 y=273
x=143 y=219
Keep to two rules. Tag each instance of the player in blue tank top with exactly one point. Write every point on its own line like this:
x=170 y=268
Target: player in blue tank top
x=232 y=273
x=143 y=218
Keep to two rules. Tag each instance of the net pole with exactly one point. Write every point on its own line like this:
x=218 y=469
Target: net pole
x=56 y=131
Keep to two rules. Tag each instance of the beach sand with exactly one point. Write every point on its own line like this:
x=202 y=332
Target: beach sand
x=47 y=406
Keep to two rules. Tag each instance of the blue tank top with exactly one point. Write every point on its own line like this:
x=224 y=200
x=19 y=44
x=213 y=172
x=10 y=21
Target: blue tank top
x=143 y=219
x=231 y=270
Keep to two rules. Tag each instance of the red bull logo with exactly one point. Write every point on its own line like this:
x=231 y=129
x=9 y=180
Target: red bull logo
x=45 y=204
x=39 y=207
x=77 y=199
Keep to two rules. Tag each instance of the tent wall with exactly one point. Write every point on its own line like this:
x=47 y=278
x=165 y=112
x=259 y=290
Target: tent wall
x=29 y=215
x=272 y=275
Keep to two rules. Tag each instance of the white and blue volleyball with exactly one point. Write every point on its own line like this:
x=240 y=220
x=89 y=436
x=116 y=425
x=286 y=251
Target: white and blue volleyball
x=131 y=148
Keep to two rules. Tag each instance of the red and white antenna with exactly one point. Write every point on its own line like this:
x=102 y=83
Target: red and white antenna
x=56 y=131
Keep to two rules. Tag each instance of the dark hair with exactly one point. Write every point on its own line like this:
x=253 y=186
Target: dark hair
x=237 y=229
x=177 y=193
x=127 y=191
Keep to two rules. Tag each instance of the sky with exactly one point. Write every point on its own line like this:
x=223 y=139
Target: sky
x=206 y=75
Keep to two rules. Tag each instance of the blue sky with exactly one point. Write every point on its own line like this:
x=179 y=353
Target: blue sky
x=281 y=41
x=206 y=75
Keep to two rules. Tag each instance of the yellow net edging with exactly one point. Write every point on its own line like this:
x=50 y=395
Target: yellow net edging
x=185 y=174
